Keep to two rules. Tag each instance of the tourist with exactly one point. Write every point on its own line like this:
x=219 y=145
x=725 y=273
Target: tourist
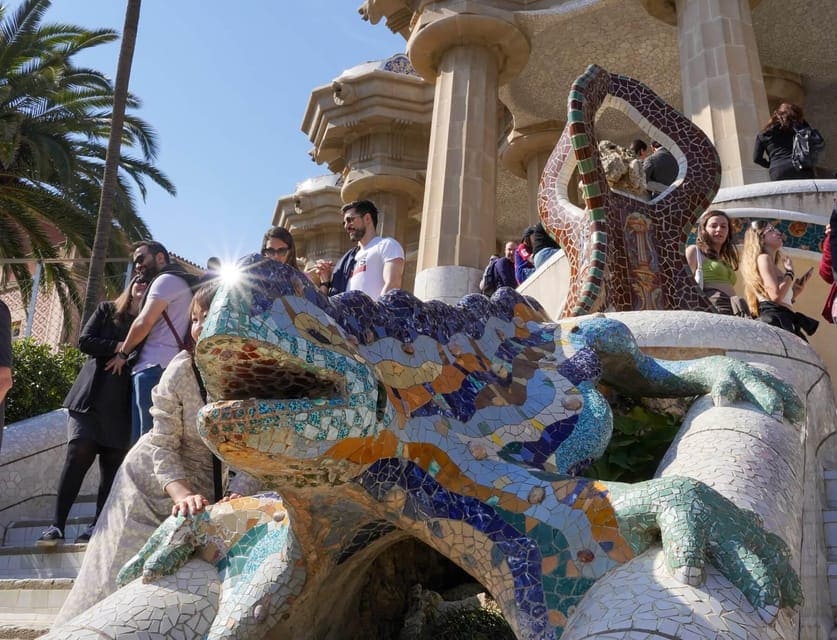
x=159 y=331
x=771 y=291
x=523 y=266
x=639 y=149
x=661 y=168
x=99 y=411
x=714 y=260
x=500 y=271
x=374 y=266
x=543 y=246
x=278 y=244
x=827 y=270
x=776 y=141
x=169 y=471
x=5 y=362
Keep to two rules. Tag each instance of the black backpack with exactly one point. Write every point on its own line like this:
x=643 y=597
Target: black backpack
x=488 y=284
x=807 y=144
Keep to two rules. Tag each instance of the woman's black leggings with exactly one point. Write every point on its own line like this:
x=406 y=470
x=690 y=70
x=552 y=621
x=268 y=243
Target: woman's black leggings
x=80 y=455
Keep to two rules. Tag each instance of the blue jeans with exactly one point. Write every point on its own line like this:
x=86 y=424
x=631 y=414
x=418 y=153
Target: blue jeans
x=143 y=382
x=543 y=255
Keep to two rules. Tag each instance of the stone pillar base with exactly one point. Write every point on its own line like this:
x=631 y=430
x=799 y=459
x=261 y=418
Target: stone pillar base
x=447 y=284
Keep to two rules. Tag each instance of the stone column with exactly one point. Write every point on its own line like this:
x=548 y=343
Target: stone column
x=470 y=54
x=723 y=88
x=524 y=153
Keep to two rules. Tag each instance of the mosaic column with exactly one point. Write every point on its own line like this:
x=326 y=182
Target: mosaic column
x=524 y=153
x=722 y=83
x=470 y=56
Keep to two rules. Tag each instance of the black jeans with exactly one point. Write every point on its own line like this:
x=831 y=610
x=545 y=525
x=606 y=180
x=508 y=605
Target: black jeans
x=781 y=316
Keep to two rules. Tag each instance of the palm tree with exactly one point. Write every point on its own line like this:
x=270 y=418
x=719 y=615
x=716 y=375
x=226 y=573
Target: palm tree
x=105 y=218
x=54 y=119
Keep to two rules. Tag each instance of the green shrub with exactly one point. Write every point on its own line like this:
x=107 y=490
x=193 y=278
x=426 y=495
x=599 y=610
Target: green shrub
x=641 y=436
x=42 y=377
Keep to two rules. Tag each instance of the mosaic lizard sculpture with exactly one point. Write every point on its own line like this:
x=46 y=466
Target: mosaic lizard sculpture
x=460 y=426
x=626 y=253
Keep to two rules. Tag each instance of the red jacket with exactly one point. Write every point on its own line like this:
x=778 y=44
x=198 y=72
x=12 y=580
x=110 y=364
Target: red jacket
x=825 y=262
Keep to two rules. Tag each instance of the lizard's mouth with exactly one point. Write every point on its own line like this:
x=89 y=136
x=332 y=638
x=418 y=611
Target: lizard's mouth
x=272 y=412
x=236 y=368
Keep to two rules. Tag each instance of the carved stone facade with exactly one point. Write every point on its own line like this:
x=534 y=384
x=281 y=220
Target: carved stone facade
x=494 y=72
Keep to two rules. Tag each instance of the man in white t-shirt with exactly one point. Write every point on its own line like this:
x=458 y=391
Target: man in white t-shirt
x=169 y=295
x=378 y=263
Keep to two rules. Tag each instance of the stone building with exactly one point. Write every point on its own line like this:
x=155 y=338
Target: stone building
x=451 y=138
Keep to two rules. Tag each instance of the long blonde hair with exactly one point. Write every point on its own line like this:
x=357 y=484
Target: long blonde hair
x=753 y=248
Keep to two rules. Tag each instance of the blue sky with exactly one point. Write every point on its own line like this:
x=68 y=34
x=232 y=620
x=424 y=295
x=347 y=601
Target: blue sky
x=225 y=85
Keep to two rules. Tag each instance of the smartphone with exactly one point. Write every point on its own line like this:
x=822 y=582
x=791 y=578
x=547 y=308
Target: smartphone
x=805 y=276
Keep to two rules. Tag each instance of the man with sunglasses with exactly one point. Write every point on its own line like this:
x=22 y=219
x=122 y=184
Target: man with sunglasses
x=159 y=331
x=374 y=266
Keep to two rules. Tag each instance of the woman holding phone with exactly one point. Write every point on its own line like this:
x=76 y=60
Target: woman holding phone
x=772 y=289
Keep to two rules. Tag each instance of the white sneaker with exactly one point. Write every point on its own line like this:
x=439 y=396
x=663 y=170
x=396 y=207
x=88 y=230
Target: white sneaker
x=51 y=537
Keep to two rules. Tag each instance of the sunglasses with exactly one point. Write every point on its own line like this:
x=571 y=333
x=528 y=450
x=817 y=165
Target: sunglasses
x=269 y=251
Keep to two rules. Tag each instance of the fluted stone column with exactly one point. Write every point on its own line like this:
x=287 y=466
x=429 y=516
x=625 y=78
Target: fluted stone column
x=525 y=152
x=723 y=87
x=469 y=54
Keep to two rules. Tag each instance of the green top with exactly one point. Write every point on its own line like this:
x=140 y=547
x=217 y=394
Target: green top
x=717 y=271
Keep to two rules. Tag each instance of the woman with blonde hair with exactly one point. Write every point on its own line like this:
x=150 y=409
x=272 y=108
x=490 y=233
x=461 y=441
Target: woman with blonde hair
x=771 y=290
x=714 y=259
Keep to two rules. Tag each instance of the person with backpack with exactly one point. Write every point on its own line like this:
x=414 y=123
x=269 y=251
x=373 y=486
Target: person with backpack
x=499 y=272
x=160 y=330
x=790 y=143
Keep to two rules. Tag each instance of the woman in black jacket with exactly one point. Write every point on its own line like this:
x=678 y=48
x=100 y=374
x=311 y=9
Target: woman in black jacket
x=99 y=406
x=776 y=140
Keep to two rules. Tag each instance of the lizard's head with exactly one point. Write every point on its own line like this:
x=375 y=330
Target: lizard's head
x=283 y=377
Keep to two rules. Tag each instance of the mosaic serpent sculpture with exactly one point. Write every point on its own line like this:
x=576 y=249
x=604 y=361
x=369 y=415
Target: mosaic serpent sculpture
x=626 y=254
x=458 y=426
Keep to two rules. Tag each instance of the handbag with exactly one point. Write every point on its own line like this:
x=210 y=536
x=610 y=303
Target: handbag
x=699 y=270
x=829 y=303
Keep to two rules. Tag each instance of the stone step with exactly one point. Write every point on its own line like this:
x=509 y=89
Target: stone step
x=832 y=582
x=28 y=607
x=23 y=627
x=830 y=477
x=29 y=562
x=24 y=534
x=829 y=523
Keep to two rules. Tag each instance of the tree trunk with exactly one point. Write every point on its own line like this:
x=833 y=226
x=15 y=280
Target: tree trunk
x=95 y=276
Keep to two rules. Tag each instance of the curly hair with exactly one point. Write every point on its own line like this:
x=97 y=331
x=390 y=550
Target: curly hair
x=728 y=252
x=785 y=116
x=753 y=248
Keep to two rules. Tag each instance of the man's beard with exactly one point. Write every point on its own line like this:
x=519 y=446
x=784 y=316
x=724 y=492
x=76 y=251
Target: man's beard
x=148 y=273
x=357 y=234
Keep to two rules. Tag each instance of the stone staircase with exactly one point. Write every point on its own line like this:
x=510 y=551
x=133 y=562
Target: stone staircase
x=829 y=518
x=34 y=581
